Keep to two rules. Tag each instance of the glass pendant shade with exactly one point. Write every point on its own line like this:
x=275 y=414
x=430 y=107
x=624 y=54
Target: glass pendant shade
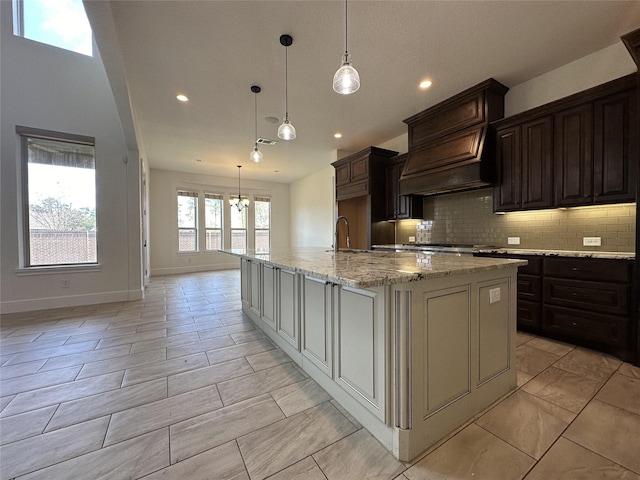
x=286 y=131
x=256 y=155
x=346 y=80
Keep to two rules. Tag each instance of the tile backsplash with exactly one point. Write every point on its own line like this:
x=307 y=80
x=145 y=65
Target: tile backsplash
x=468 y=217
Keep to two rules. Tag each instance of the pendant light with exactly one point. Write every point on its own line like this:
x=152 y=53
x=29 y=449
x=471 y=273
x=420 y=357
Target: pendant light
x=346 y=80
x=239 y=202
x=286 y=131
x=255 y=155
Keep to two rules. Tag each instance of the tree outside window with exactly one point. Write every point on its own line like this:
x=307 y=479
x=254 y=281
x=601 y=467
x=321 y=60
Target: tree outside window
x=213 y=205
x=262 y=231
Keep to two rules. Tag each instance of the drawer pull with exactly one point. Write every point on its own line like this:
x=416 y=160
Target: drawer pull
x=578 y=269
x=574 y=324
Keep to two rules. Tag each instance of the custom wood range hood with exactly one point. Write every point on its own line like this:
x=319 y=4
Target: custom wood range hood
x=450 y=148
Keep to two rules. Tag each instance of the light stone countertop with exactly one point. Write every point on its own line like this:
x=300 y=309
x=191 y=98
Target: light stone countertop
x=366 y=269
x=561 y=253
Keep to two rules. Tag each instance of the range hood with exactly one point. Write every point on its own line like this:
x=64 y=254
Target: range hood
x=451 y=146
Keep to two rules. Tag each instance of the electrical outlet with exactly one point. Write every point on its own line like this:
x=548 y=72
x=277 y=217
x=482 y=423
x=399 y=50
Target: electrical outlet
x=494 y=295
x=412 y=239
x=65 y=283
x=591 y=241
x=513 y=240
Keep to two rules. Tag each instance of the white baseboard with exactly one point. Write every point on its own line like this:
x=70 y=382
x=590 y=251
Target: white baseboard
x=15 y=306
x=194 y=269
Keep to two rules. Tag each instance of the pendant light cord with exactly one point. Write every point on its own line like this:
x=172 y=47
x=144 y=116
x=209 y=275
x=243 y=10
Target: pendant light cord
x=286 y=83
x=346 y=29
x=255 y=109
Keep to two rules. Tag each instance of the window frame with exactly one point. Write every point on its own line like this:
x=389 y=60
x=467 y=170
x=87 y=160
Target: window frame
x=256 y=229
x=195 y=195
x=245 y=229
x=18 y=17
x=24 y=134
x=218 y=197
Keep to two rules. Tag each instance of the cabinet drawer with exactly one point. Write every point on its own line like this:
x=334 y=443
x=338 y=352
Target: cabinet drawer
x=592 y=296
x=588 y=269
x=529 y=314
x=529 y=287
x=604 y=329
x=351 y=190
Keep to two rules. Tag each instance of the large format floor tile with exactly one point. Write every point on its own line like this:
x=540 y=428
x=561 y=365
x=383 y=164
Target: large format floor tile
x=526 y=422
x=275 y=447
x=148 y=402
x=567 y=460
x=473 y=453
x=608 y=431
x=203 y=432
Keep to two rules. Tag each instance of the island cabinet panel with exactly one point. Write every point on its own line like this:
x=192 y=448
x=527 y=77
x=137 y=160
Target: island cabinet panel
x=244 y=279
x=269 y=292
x=255 y=287
x=493 y=330
x=317 y=323
x=446 y=342
x=288 y=320
x=360 y=346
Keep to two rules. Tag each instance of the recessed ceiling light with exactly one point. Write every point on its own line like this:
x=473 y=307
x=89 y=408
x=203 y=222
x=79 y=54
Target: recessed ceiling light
x=272 y=119
x=182 y=98
x=198 y=160
x=337 y=135
x=425 y=84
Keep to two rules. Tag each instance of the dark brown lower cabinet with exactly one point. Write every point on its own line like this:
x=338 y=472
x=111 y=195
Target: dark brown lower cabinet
x=582 y=301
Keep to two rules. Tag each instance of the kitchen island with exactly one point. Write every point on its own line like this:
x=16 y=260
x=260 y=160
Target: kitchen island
x=412 y=345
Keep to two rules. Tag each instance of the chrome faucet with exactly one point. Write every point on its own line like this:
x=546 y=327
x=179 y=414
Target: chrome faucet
x=346 y=222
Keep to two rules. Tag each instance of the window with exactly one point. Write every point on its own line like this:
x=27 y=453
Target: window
x=187 y=221
x=238 y=228
x=213 y=204
x=61 y=23
x=59 y=198
x=262 y=211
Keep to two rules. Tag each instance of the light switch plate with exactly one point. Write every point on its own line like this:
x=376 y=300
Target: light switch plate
x=412 y=239
x=513 y=240
x=592 y=241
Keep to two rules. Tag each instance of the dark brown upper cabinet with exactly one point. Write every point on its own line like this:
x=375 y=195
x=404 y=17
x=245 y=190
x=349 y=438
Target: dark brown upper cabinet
x=573 y=155
x=615 y=147
x=580 y=150
x=524 y=164
x=360 y=173
x=399 y=207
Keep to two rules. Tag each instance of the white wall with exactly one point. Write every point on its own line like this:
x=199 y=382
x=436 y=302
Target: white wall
x=586 y=72
x=163 y=214
x=49 y=88
x=313 y=209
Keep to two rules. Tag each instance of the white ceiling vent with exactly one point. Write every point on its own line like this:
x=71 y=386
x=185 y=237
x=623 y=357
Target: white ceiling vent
x=265 y=141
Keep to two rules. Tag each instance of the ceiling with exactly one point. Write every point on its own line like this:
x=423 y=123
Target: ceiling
x=213 y=51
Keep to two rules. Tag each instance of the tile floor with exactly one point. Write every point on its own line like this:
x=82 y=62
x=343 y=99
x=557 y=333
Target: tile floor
x=182 y=386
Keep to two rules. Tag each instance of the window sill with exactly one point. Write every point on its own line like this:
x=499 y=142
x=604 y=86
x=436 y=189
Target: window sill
x=187 y=253
x=57 y=269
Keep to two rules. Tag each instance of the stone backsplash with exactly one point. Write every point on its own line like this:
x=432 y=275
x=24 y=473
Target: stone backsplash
x=468 y=218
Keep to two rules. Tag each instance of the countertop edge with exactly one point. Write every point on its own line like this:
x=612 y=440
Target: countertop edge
x=402 y=277
x=560 y=253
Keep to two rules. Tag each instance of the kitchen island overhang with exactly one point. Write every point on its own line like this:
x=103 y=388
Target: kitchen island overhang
x=412 y=345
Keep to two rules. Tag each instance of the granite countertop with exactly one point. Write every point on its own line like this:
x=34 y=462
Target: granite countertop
x=561 y=253
x=366 y=269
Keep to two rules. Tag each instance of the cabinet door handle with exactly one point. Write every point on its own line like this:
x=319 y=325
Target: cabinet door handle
x=574 y=324
x=578 y=269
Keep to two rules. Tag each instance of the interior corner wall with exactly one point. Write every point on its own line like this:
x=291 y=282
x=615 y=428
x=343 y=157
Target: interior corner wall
x=53 y=89
x=163 y=215
x=313 y=209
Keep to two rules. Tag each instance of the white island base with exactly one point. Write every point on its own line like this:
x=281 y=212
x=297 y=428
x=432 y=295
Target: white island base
x=410 y=361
